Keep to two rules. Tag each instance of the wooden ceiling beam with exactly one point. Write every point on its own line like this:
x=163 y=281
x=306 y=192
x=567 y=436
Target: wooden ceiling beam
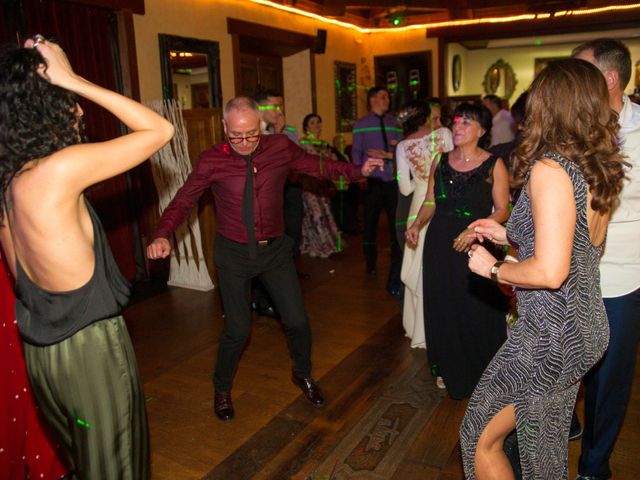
x=334 y=8
x=438 y=4
x=136 y=6
x=536 y=28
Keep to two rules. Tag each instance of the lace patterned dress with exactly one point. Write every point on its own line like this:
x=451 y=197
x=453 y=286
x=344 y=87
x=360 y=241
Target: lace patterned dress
x=414 y=157
x=559 y=336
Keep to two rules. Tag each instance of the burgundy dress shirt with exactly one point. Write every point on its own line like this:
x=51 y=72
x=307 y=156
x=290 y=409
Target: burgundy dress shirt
x=224 y=171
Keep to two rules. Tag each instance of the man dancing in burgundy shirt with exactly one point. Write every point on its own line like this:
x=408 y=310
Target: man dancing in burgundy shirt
x=247 y=174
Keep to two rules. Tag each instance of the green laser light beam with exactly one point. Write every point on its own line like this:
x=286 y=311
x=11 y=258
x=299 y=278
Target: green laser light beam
x=83 y=423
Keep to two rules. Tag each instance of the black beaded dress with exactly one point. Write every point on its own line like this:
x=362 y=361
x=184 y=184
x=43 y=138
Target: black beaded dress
x=464 y=313
x=559 y=336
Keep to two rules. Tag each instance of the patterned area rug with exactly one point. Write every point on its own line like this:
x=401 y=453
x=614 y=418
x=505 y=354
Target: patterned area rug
x=381 y=396
x=376 y=445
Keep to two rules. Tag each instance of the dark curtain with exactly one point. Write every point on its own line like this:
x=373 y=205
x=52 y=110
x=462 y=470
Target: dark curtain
x=87 y=35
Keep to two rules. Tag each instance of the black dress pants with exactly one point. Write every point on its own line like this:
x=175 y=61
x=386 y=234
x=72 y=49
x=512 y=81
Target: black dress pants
x=275 y=268
x=293 y=213
x=381 y=196
x=344 y=207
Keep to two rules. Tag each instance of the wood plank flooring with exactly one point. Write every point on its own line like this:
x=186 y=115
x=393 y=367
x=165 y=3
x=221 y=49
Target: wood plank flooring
x=384 y=418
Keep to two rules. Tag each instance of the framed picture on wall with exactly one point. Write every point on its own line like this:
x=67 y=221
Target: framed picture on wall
x=540 y=63
x=456 y=72
x=345 y=85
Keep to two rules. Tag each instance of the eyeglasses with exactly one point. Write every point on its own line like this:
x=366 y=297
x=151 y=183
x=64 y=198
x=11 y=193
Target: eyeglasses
x=465 y=121
x=248 y=138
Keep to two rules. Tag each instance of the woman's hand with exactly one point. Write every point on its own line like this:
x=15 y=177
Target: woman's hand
x=481 y=261
x=488 y=229
x=411 y=235
x=57 y=70
x=463 y=241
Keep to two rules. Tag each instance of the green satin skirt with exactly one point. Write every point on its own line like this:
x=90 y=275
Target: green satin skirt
x=88 y=390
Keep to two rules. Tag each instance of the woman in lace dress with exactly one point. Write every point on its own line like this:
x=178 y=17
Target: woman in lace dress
x=320 y=236
x=571 y=172
x=414 y=156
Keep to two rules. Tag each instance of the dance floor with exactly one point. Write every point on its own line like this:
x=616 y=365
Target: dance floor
x=384 y=417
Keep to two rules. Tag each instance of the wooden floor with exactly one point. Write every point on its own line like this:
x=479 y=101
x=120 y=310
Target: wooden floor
x=384 y=418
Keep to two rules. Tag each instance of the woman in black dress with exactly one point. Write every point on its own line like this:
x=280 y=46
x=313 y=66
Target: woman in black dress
x=464 y=314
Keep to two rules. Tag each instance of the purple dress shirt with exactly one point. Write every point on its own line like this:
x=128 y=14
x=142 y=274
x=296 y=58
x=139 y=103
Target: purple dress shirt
x=367 y=134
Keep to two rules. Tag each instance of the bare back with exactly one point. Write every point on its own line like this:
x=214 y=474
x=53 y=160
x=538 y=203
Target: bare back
x=597 y=222
x=48 y=228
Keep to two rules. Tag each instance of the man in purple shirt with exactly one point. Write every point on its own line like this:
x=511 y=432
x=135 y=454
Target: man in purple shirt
x=247 y=174
x=376 y=135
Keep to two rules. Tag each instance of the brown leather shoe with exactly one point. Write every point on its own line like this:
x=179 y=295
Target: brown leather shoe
x=310 y=389
x=222 y=406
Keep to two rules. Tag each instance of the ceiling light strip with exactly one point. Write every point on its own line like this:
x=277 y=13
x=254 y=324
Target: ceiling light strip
x=448 y=23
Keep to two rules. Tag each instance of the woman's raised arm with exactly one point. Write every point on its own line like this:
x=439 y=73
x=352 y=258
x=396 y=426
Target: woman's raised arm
x=82 y=165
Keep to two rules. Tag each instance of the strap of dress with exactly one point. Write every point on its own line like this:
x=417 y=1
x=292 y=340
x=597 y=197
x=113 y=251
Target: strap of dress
x=6 y=205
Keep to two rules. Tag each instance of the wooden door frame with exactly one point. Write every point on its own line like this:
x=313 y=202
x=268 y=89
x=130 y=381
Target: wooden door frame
x=428 y=54
x=298 y=41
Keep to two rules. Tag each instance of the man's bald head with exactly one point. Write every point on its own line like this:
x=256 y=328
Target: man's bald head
x=241 y=104
x=242 y=124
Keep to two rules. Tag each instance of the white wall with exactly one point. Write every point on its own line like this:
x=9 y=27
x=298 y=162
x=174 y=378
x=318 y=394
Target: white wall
x=476 y=62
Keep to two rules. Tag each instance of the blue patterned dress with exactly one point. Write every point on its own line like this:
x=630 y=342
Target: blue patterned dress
x=559 y=336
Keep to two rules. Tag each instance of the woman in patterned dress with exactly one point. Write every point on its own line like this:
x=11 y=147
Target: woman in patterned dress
x=571 y=171
x=320 y=236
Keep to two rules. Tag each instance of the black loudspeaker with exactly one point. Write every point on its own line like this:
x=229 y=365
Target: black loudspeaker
x=321 y=41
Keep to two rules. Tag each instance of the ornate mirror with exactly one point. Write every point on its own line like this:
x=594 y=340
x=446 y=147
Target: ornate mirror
x=500 y=80
x=190 y=71
x=456 y=72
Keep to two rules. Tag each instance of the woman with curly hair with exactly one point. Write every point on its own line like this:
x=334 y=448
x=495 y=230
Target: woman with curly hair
x=571 y=173
x=69 y=292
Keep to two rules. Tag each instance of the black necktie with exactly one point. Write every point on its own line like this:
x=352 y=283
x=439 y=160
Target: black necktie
x=384 y=133
x=247 y=209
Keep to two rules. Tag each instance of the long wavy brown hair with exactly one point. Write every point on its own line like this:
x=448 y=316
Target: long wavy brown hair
x=568 y=113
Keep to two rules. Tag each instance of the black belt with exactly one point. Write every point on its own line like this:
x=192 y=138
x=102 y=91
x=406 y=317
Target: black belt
x=259 y=243
x=267 y=242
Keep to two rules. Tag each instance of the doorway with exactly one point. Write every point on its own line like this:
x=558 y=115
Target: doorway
x=267 y=58
x=406 y=77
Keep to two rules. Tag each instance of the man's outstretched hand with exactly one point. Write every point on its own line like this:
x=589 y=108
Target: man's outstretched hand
x=159 y=248
x=370 y=165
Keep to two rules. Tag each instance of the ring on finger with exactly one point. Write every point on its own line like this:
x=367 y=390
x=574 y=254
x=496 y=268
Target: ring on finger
x=37 y=40
x=470 y=252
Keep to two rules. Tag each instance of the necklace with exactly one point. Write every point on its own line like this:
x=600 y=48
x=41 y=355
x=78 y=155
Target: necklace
x=464 y=158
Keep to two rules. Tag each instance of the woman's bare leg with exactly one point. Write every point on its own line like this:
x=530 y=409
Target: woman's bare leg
x=491 y=461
